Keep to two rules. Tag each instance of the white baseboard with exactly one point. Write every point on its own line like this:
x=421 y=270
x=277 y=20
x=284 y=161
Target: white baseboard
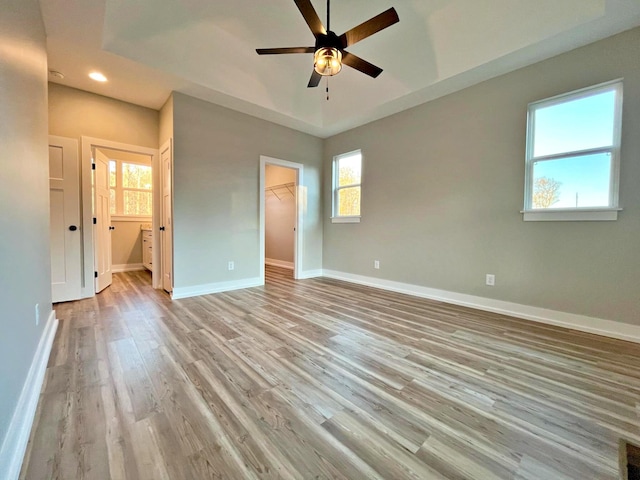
x=196 y=290
x=310 y=274
x=599 y=326
x=127 y=267
x=278 y=263
x=15 y=442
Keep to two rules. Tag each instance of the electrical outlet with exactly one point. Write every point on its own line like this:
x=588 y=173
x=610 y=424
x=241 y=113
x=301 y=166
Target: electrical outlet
x=491 y=279
x=376 y=264
x=231 y=266
x=37 y=315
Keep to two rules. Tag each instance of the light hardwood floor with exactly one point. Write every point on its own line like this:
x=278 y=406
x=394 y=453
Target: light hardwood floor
x=324 y=379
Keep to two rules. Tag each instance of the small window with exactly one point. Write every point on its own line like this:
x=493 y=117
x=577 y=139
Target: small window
x=572 y=162
x=130 y=188
x=347 y=185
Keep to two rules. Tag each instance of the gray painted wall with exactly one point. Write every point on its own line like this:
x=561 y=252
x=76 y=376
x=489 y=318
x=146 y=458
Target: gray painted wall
x=126 y=243
x=75 y=113
x=25 y=267
x=216 y=204
x=443 y=186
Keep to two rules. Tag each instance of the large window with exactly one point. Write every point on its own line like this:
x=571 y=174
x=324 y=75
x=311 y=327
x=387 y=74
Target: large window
x=130 y=188
x=347 y=185
x=572 y=164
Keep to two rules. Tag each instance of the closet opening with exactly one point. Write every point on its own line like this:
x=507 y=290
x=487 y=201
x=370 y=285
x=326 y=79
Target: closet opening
x=281 y=213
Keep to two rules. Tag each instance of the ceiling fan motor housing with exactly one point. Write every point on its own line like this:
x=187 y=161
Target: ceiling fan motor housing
x=330 y=40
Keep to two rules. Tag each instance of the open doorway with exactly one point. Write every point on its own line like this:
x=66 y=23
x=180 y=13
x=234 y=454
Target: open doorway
x=280 y=217
x=123 y=210
x=124 y=205
x=281 y=214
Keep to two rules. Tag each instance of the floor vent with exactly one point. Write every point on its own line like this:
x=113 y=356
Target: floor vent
x=631 y=459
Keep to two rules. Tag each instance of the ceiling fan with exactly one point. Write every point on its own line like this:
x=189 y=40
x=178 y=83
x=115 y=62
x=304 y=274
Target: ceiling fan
x=329 y=50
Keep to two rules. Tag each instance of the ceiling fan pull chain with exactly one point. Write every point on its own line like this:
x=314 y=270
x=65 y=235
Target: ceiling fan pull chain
x=327 y=89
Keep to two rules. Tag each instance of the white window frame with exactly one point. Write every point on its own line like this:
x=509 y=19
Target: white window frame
x=119 y=215
x=609 y=212
x=336 y=217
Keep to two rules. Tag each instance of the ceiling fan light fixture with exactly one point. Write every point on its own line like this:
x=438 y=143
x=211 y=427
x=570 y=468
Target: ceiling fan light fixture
x=327 y=61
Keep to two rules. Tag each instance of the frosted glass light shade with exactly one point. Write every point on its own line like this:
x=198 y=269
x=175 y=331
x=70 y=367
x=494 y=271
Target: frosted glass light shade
x=327 y=61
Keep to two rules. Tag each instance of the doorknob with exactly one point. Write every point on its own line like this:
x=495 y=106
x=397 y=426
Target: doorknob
x=73 y=228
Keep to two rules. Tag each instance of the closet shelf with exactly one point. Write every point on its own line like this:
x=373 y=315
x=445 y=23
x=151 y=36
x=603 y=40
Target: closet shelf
x=282 y=190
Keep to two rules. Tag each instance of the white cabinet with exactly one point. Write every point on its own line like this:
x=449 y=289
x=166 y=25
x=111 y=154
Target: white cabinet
x=147 y=249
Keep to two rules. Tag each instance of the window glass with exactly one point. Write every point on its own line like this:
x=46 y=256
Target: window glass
x=573 y=145
x=349 y=170
x=349 y=201
x=579 y=124
x=136 y=176
x=574 y=182
x=347 y=179
x=137 y=203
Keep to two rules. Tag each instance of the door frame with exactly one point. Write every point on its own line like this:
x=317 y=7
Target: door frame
x=87 y=145
x=298 y=238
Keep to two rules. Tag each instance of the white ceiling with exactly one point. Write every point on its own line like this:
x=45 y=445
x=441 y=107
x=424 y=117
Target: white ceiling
x=206 y=48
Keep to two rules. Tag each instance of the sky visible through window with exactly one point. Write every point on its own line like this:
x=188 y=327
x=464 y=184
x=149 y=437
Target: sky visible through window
x=575 y=125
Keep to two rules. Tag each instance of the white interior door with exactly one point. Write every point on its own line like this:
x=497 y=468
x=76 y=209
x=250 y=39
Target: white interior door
x=102 y=227
x=65 y=235
x=166 y=230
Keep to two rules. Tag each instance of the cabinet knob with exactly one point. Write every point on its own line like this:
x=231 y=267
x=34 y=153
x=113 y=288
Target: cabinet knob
x=162 y=229
x=73 y=228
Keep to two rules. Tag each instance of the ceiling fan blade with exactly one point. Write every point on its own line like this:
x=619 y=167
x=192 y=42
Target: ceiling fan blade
x=311 y=17
x=360 y=64
x=314 y=81
x=278 y=51
x=368 y=28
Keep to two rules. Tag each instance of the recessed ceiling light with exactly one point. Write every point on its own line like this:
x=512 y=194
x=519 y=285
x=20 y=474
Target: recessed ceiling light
x=98 y=77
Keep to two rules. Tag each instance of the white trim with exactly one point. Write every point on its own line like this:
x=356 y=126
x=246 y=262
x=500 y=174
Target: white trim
x=87 y=143
x=570 y=215
x=301 y=201
x=614 y=148
x=310 y=274
x=345 y=219
x=15 y=442
x=130 y=218
x=335 y=188
x=278 y=263
x=127 y=267
x=598 y=326
x=197 y=290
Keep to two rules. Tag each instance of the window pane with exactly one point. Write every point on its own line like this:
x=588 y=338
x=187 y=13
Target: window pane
x=349 y=201
x=349 y=170
x=137 y=203
x=572 y=182
x=136 y=176
x=112 y=201
x=112 y=173
x=575 y=124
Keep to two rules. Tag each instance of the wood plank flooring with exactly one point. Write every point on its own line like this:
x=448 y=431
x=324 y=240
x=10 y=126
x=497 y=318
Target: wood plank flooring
x=323 y=379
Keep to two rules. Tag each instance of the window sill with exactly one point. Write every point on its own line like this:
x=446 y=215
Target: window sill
x=345 y=219
x=571 y=215
x=130 y=218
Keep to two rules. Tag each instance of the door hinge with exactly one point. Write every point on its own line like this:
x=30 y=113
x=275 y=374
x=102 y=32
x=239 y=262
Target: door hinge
x=93 y=166
x=95 y=221
x=95 y=274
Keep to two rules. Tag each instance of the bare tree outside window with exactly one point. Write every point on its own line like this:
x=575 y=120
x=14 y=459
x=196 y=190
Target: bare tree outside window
x=347 y=184
x=349 y=198
x=546 y=192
